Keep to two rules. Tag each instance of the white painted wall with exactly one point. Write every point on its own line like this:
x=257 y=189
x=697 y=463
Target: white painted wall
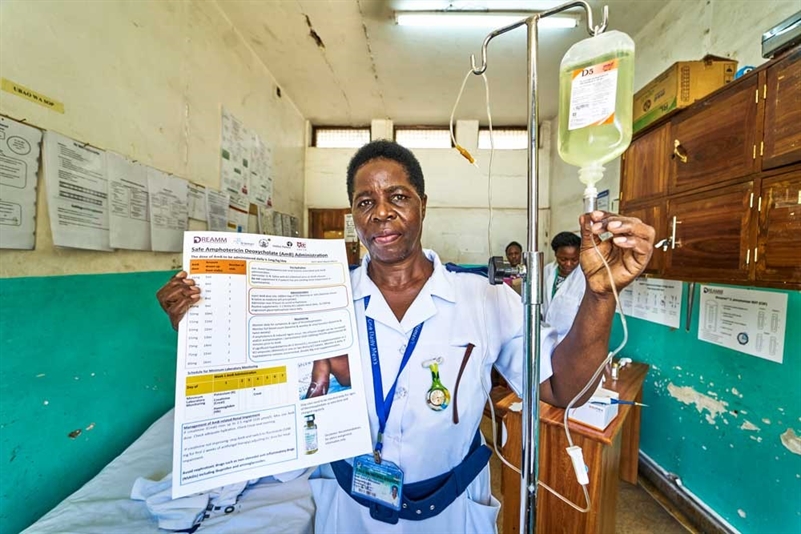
x=457 y=216
x=683 y=30
x=148 y=80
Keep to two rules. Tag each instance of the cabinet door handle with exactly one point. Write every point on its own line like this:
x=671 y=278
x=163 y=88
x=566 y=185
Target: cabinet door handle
x=679 y=151
x=673 y=233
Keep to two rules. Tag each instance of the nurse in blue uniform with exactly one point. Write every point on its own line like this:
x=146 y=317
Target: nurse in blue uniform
x=429 y=339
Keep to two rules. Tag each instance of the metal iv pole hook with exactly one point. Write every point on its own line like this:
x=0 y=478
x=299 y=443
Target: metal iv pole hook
x=591 y=29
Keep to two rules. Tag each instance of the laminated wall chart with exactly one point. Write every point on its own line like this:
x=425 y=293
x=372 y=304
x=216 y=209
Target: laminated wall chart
x=19 y=166
x=745 y=320
x=217 y=203
x=196 y=197
x=270 y=309
x=654 y=300
x=168 y=210
x=234 y=148
x=129 y=218
x=77 y=193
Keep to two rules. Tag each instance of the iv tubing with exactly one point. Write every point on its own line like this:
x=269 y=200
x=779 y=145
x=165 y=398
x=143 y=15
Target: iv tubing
x=469 y=157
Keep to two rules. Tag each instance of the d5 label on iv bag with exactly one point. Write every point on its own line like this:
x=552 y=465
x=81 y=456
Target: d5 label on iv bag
x=593 y=94
x=596 y=88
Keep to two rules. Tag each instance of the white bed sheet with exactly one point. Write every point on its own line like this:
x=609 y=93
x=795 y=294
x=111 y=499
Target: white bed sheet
x=103 y=505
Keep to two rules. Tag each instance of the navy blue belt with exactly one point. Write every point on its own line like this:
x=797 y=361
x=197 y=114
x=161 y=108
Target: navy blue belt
x=427 y=498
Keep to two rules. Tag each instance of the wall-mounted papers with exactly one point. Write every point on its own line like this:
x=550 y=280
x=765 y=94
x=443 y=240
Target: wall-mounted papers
x=234 y=154
x=286 y=224
x=196 y=197
x=278 y=223
x=260 y=188
x=655 y=300
x=266 y=221
x=168 y=211
x=19 y=165
x=350 y=228
x=238 y=211
x=129 y=215
x=217 y=203
x=77 y=193
x=745 y=320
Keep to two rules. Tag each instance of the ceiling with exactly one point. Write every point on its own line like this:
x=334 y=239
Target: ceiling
x=346 y=62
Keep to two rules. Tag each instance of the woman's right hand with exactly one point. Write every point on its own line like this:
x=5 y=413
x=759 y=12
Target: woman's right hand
x=177 y=295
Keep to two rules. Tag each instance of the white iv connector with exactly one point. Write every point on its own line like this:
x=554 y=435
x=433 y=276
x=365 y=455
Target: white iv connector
x=590 y=199
x=578 y=464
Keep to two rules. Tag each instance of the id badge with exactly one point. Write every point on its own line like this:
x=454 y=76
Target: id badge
x=381 y=483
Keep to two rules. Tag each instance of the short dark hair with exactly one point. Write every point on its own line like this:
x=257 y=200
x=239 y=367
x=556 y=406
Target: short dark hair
x=565 y=239
x=384 y=149
x=514 y=244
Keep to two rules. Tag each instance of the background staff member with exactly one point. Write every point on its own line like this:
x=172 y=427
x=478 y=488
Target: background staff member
x=564 y=284
x=514 y=253
x=410 y=310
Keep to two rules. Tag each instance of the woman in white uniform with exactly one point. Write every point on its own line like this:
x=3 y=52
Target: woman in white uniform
x=564 y=283
x=429 y=338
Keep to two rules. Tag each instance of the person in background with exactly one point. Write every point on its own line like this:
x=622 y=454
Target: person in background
x=564 y=284
x=404 y=294
x=514 y=253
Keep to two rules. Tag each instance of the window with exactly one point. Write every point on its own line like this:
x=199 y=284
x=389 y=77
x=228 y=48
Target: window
x=505 y=138
x=341 y=137
x=423 y=137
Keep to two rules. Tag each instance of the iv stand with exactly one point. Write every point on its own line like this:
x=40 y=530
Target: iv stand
x=533 y=259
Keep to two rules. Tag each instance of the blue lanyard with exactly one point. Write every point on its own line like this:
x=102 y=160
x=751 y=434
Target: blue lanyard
x=384 y=405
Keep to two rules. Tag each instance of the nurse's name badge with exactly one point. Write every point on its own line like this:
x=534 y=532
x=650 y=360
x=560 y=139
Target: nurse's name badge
x=437 y=397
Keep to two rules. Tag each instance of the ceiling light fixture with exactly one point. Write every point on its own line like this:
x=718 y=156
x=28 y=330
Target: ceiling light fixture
x=476 y=19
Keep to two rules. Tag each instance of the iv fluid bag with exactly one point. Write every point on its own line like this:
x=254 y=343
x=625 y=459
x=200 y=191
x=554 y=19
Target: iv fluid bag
x=596 y=85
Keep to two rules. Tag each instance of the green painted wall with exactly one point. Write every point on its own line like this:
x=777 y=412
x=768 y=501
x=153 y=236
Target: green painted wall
x=746 y=476
x=76 y=351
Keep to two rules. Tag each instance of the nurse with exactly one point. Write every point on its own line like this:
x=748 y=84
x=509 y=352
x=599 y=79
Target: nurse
x=564 y=283
x=429 y=338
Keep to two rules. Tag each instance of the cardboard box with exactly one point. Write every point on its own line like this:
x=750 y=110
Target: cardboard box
x=679 y=86
x=596 y=415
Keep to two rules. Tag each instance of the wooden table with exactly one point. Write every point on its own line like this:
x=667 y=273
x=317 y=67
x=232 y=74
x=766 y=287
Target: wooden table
x=610 y=455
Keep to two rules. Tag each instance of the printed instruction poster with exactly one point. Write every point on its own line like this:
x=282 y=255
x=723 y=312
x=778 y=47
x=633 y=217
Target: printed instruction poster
x=260 y=187
x=654 y=300
x=217 y=210
x=269 y=375
x=77 y=193
x=234 y=154
x=19 y=165
x=129 y=215
x=745 y=320
x=168 y=210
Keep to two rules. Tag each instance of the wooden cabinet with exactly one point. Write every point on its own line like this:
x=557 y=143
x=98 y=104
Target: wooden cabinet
x=778 y=251
x=645 y=166
x=653 y=215
x=782 y=94
x=715 y=141
x=711 y=234
x=728 y=201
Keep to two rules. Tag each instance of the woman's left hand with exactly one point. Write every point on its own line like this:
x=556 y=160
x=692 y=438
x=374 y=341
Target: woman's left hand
x=627 y=252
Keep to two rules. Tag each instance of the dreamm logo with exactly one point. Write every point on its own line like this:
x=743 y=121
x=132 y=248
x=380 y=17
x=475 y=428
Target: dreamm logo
x=211 y=239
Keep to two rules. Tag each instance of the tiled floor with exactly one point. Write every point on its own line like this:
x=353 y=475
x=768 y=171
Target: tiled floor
x=637 y=512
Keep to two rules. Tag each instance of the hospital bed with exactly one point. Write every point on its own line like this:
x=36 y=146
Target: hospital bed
x=103 y=505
